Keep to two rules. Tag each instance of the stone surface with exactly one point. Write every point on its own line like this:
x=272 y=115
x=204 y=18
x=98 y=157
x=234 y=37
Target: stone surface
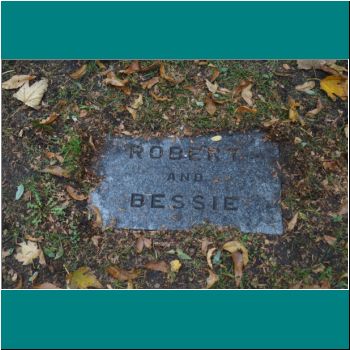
x=178 y=183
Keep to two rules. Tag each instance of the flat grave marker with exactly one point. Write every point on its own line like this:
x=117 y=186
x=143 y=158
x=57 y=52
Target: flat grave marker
x=178 y=183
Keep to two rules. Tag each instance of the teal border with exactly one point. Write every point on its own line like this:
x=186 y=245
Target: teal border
x=187 y=30
x=175 y=319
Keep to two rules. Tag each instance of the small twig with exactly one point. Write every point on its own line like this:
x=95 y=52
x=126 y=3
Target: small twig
x=8 y=71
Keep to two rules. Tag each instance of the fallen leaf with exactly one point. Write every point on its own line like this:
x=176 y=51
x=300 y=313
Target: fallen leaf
x=204 y=246
x=238 y=263
x=215 y=74
x=216 y=138
x=293 y=113
x=245 y=109
x=292 y=222
x=271 y=122
x=175 y=265
x=46 y=285
x=139 y=245
x=150 y=83
x=235 y=246
x=238 y=90
x=138 y=102
x=209 y=255
x=344 y=208
x=32 y=95
x=132 y=111
x=122 y=275
x=317 y=110
x=159 y=98
x=182 y=255
x=79 y=72
x=19 y=192
x=100 y=64
x=27 y=252
x=147 y=242
x=82 y=278
x=315 y=64
x=247 y=94
x=330 y=240
x=115 y=82
x=130 y=285
x=212 y=279
x=335 y=85
x=42 y=260
x=210 y=105
x=167 y=77
x=50 y=119
x=211 y=87
x=134 y=67
x=98 y=218
x=33 y=239
x=152 y=66
x=51 y=155
x=307 y=86
x=56 y=170
x=95 y=240
x=334 y=69
x=161 y=266
x=74 y=194
x=286 y=66
x=16 y=81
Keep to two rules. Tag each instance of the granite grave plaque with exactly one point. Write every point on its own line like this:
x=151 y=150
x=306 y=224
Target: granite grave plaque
x=178 y=183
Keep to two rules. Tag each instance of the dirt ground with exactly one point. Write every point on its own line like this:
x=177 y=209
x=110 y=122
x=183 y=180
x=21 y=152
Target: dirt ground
x=314 y=167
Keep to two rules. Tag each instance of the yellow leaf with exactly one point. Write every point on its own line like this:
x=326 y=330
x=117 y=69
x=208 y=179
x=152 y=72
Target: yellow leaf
x=235 y=246
x=79 y=72
x=138 y=102
x=216 y=138
x=27 y=252
x=335 y=85
x=16 y=81
x=83 y=278
x=212 y=279
x=293 y=222
x=209 y=255
x=293 y=113
x=32 y=95
x=175 y=265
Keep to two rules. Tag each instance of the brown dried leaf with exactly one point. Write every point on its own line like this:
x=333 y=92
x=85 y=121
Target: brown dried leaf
x=315 y=64
x=150 y=83
x=50 y=119
x=98 y=217
x=134 y=67
x=292 y=222
x=317 y=110
x=247 y=94
x=139 y=245
x=211 y=87
x=16 y=81
x=51 y=155
x=204 y=246
x=238 y=90
x=330 y=240
x=82 y=278
x=293 y=113
x=46 y=285
x=344 y=208
x=161 y=266
x=122 y=275
x=307 y=86
x=210 y=105
x=74 y=194
x=159 y=98
x=167 y=77
x=115 y=82
x=215 y=74
x=245 y=109
x=152 y=66
x=147 y=242
x=79 y=72
x=238 y=263
x=132 y=111
x=271 y=122
x=209 y=255
x=56 y=170
x=212 y=279
x=100 y=64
